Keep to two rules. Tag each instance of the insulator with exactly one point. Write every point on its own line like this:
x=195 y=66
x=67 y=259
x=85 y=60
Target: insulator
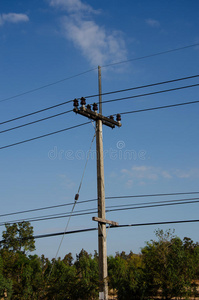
x=76 y=197
x=118 y=117
x=83 y=101
x=75 y=103
x=111 y=117
x=95 y=107
x=88 y=106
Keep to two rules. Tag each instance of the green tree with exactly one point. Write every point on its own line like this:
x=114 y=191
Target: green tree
x=169 y=266
x=18 y=237
x=62 y=280
x=5 y=284
x=126 y=276
x=88 y=276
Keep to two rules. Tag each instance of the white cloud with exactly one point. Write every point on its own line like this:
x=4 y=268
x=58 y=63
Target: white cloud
x=139 y=168
x=13 y=18
x=129 y=183
x=187 y=173
x=166 y=174
x=95 y=43
x=153 y=23
x=142 y=174
x=98 y=45
x=66 y=182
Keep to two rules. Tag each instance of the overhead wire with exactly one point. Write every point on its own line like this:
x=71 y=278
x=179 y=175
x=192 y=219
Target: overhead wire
x=102 y=94
x=159 y=107
x=73 y=208
x=107 y=101
x=151 y=93
x=144 y=86
x=150 y=55
x=44 y=135
x=37 y=121
x=104 y=66
x=119 y=226
x=112 y=208
x=35 y=112
x=95 y=199
x=47 y=85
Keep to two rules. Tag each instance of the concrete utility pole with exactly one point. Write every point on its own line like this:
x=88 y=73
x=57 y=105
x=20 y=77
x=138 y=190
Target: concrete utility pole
x=101 y=219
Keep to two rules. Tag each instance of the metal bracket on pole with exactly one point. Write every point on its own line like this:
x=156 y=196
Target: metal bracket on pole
x=95 y=116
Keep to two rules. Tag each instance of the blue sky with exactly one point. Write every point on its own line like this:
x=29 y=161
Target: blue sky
x=42 y=42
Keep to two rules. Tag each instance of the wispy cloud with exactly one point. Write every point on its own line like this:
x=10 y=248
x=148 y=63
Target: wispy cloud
x=13 y=18
x=97 y=44
x=152 y=23
x=143 y=174
x=66 y=182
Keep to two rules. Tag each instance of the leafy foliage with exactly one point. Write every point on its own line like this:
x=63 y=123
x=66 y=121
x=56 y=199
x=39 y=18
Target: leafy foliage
x=18 y=237
x=170 y=265
x=166 y=268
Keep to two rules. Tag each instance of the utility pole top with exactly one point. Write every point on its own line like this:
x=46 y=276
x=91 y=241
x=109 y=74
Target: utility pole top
x=87 y=112
x=100 y=89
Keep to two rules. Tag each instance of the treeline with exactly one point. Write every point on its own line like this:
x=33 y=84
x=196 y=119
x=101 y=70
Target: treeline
x=167 y=268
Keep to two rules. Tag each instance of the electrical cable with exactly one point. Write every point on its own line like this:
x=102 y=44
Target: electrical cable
x=105 y=66
x=33 y=122
x=107 y=198
x=151 y=93
x=152 y=195
x=35 y=112
x=122 y=113
x=158 y=107
x=119 y=226
x=108 y=209
x=44 y=208
x=150 y=55
x=103 y=94
x=47 y=85
x=143 y=86
x=104 y=102
x=71 y=213
x=44 y=135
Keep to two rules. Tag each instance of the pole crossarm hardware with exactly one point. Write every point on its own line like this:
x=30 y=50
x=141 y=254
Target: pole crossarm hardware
x=104 y=221
x=85 y=110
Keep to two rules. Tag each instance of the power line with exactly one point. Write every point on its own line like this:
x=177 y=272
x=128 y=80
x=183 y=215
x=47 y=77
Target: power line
x=107 y=101
x=159 y=107
x=35 y=112
x=122 y=113
x=119 y=226
x=108 y=209
x=47 y=85
x=107 y=198
x=151 y=55
x=143 y=86
x=105 y=66
x=44 y=208
x=151 y=93
x=44 y=135
x=103 y=94
x=37 y=121
x=151 y=195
